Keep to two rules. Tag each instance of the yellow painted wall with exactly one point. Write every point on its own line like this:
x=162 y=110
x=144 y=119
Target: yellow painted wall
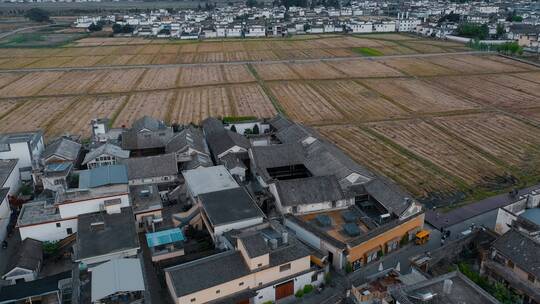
x=359 y=251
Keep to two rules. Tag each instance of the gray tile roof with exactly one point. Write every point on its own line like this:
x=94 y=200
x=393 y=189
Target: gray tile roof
x=255 y=244
x=212 y=125
x=521 y=249
x=276 y=156
x=231 y=205
x=145 y=198
x=103 y=176
x=117 y=234
x=208 y=179
x=3 y=193
x=311 y=190
x=148 y=123
x=389 y=195
x=151 y=166
x=190 y=137
x=64 y=148
x=231 y=161
x=6 y=168
x=29 y=256
x=106 y=149
x=279 y=122
x=136 y=140
x=207 y=272
x=219 y=142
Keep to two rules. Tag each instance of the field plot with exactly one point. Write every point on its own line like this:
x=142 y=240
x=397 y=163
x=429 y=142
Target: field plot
x=262 y=55
x=477 y=89
x=516 y=83
x=490 y=64
x=115 y=60
x=237 y=73
x=72 y=82
x=453 y=63
x=250 y=100
x=506 y=138
x=364 y=68
x=372 y=152
x=316 y=70
x=209 y=57
x=356 y=101
x=398 y=37
x=35 y=114
x=200 y=75
x=303 y=103
x=29 y=84
x=275 y=71
x=8 y=105
x=84 y=61
x=164 y=59
x=117 y=80
x=530 y=114
x=424 y=47
x=195 y=104
x=153 y=104
x=17 y=63
x=418 y=95
x=50 y=62
x=6 y=78
x=416 y=67
x=532 y=76
x=159 y=78
x=432 y=144
x=77 y=119
x=141 y=59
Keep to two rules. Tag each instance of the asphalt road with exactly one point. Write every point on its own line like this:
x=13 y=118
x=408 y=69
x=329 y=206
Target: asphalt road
x=116 y=67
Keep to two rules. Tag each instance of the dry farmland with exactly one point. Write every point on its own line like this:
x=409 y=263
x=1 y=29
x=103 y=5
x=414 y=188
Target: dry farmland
x=439 y=124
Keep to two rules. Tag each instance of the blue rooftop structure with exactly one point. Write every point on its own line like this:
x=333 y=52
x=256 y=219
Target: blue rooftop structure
x=103 y=176
x=164 y=237
x=532 y=215
x=57 y=167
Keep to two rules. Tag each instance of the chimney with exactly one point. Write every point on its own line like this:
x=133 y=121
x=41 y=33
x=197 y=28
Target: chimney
x=113 y=206
x=285 y=237
x=273 y=244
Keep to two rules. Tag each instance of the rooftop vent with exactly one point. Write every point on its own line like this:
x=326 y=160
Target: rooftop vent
x=323 y=220
x=97 y=226
x=349 y=217
x=351 y=229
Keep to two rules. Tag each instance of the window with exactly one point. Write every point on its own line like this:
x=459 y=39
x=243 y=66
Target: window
x=260 y=297
x=218 y=291
x=193 y=300
x=58 y=225
x=260 y=283
x=314 y=277
x=58 y=182
x=531 y=278
x=259 y=265
x=241 y=284
x=285 y=267
x=69 y=231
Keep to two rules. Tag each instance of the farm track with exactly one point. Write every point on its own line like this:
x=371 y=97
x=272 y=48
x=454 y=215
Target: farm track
x=134 y=66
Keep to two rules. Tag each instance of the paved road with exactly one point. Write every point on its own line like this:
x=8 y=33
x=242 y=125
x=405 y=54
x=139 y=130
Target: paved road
x=116 y=67
x=7 y=34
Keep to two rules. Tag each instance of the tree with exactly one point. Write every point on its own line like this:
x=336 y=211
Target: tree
x=117 y=28
x=256 y=129
x=251 y=3
x=37 y=15
x=500 y=30
x=471 y=30
x=95 y=27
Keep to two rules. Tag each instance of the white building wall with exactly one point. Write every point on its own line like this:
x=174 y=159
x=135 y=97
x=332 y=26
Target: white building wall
x=306 y=236
x=13 y=182
x=235 y=149
x=116 y=255
x=153 y=180
x=89 y=206
x=19 y=151
x=5 y=213
x=48 y=232
x=219 y=230
x=24 y=274
x=269 y=293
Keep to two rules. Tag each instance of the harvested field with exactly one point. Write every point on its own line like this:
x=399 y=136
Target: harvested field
x=141 y=59
x=250 y=100
x=77 y=119
x=316 y=70
x=275 y=71
x=506 y=138
x=35 y=114
x=195 y=104
x=477 y=89
x=30 y=84
x=416 y=67
x=200 y=75
x=363 y=68
x=418 y=96
x=17 y=63
x=371 y=151
x=525 y=86
x=532 y=115
x=50 y=62
x=436 y=146
x=117 y=80
x=84 y=61
x=164 y=59
x=154 y=104
x=237 y=73
x=8 y=105
x=304 y=104
x=356 y=101
x=424 y=48
x=159 y=78
x=72 y=82
x=495 y=66
x=6 y=78
x=398 y=37
x=115 y=60
x=532 y=76
x=457 y=66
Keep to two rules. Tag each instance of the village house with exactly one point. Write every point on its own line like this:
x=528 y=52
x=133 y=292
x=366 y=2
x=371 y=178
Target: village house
x=106 y=235
x=56 y=219
x=147 y=137
x=165 y=244
x=264 y=264
x=26 y=265
x=222 y=141
x=205 y=180
x=61 y=150
x=147 y=206
x=190 y=149
x=10 y=176
x=25 y=146
x=104 y=155
x=159 y=169
x=118 y=278
x=5 y=213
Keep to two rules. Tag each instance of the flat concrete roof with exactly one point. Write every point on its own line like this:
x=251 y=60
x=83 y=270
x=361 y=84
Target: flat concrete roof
x=38 y=212
x=210 y=179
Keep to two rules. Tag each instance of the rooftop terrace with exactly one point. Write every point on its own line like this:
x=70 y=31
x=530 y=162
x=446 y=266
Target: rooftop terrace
x=38 y=212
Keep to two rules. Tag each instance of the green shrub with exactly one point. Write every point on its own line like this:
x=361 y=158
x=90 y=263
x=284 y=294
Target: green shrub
x=404 y=240
x=237 y=119
x=299 y=293
x=327 y=278
x=348 y=267
x=308 y=288
x=268 y=302
x=50 y=248
x=380 y=254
